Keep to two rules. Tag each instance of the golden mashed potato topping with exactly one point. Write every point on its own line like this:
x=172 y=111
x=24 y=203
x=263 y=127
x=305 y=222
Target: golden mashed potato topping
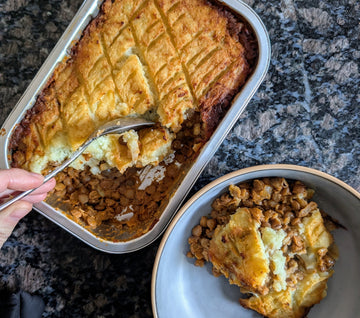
x=269 y=239
x=158 y=59
x=178 y=63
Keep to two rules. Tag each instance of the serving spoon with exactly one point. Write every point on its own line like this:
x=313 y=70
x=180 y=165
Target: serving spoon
x=116 y=126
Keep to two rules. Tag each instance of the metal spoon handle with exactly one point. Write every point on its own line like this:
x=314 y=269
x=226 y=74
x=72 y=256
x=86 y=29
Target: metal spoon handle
x=113 y=127
x=52 y=174
x=16 y=198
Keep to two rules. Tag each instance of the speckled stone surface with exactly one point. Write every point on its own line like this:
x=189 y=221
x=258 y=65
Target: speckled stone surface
x=306 y=112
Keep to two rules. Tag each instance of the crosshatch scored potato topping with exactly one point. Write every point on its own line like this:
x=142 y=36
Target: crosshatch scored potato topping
x=267 y=237
x=176 y=62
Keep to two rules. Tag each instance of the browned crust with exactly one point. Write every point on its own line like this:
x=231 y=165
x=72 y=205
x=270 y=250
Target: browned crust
x=16 y=144
x=23 y=129
x=219 y=98
x=212 y=107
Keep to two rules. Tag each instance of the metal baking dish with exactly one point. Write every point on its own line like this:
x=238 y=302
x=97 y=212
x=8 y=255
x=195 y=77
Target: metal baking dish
x=87 y=11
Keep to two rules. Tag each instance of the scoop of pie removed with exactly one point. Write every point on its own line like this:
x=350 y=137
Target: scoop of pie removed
x=252 y=257
x=270 y=240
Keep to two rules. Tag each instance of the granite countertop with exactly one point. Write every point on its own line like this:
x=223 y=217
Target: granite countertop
x=306 y=112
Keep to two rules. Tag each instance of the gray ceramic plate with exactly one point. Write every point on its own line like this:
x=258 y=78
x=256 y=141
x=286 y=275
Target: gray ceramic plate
x=180 y=289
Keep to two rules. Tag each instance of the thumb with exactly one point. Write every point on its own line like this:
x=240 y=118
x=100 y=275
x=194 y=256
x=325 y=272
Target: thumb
x=10 y=217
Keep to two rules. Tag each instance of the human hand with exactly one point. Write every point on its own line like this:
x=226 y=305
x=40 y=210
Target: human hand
x=19 y=180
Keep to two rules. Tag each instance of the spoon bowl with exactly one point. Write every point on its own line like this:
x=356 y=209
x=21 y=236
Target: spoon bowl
x=116 y=126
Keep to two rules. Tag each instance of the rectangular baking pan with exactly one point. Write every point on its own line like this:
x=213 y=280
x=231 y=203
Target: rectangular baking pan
x=88 y=11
